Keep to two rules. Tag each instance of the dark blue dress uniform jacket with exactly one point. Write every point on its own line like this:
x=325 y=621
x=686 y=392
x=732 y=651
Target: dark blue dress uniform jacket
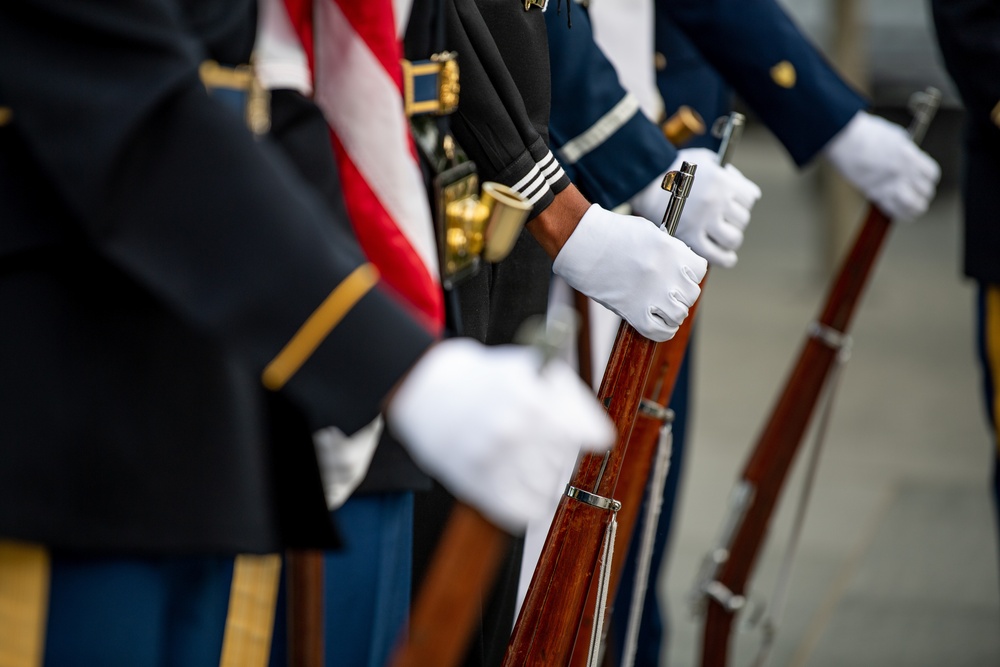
x=154 y=260
x=968 y=33
x=752 y=44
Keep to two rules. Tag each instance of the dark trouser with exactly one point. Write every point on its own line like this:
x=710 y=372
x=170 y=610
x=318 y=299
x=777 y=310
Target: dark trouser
x=138 y=612
x=366 y=584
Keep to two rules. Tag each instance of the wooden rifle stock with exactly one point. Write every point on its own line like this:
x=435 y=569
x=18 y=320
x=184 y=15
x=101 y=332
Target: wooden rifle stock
x=304 y=579
x=772 y=456
x=464 y=565
x=465 y=562
x=547 y=626
x=550 y=617
x=644 y=440
x=637 y=467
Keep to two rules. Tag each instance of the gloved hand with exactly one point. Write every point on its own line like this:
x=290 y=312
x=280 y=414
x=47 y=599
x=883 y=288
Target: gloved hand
x=495 y=427
x=717 y=210
x=880 y=160
x=634 y=269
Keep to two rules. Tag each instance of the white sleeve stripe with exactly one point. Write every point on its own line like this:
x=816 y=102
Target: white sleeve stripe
x=538 y=195
x=599 y=132
x=526 y=179
x=550 y=169
x=529 y=188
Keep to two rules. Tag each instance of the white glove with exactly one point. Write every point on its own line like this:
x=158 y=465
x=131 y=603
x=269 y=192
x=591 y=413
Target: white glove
x=496 y=427
x=344 y=459
x=717 y=210
x=880 y=160
x=634 y=269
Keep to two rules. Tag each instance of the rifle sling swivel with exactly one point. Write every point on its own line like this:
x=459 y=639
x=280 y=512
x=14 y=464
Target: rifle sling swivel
x=720 y=593
x=835 y=340
x=593 y=499
x=654 y=410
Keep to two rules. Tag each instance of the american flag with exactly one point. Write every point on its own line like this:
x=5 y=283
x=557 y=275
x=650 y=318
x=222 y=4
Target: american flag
x=354 y=51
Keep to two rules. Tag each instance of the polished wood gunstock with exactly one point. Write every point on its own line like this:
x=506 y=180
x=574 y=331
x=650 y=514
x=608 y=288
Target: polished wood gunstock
x=547 y=626
x=552 y=611
x=773 y=454
x=464 y=564
x=644 y=440
x=637 y=467
x=305 y=605
x=466 y=560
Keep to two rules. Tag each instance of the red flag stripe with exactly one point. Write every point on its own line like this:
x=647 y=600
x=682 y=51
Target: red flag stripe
x=369 y=22
x=387 y=248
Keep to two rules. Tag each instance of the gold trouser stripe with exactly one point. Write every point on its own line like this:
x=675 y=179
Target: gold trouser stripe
x=250 y=620
x=24 y=601
x=319 y=325
x=992 y=334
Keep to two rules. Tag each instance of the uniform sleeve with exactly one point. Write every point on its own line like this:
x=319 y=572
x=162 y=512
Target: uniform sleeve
x=683 y=78
x=163 y=183
x=503 y=110
x=781 y=75
x=607 y=145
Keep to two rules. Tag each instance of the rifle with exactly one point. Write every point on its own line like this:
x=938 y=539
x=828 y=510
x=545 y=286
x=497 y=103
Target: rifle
x=723 y=578
x=649 y=442
x=679 y=129
x=582 y=531
x=448 y=603
x=304 y=578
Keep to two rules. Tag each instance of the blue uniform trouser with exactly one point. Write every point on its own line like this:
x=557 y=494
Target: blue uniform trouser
x=367 y=583
x=137 y=612
x=653 y=626
x=988 y=339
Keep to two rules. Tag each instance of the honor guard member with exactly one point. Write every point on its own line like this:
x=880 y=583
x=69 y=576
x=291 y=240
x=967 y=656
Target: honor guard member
x=363 y=586
x=604 y=137
x=366 y=585
x=648 y=277
x=757 y=50
x=184 y=316
x=967 y=37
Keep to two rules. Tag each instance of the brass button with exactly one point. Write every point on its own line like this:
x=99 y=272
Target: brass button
x=783 y=74
x=660 y=61
x=6 y=115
